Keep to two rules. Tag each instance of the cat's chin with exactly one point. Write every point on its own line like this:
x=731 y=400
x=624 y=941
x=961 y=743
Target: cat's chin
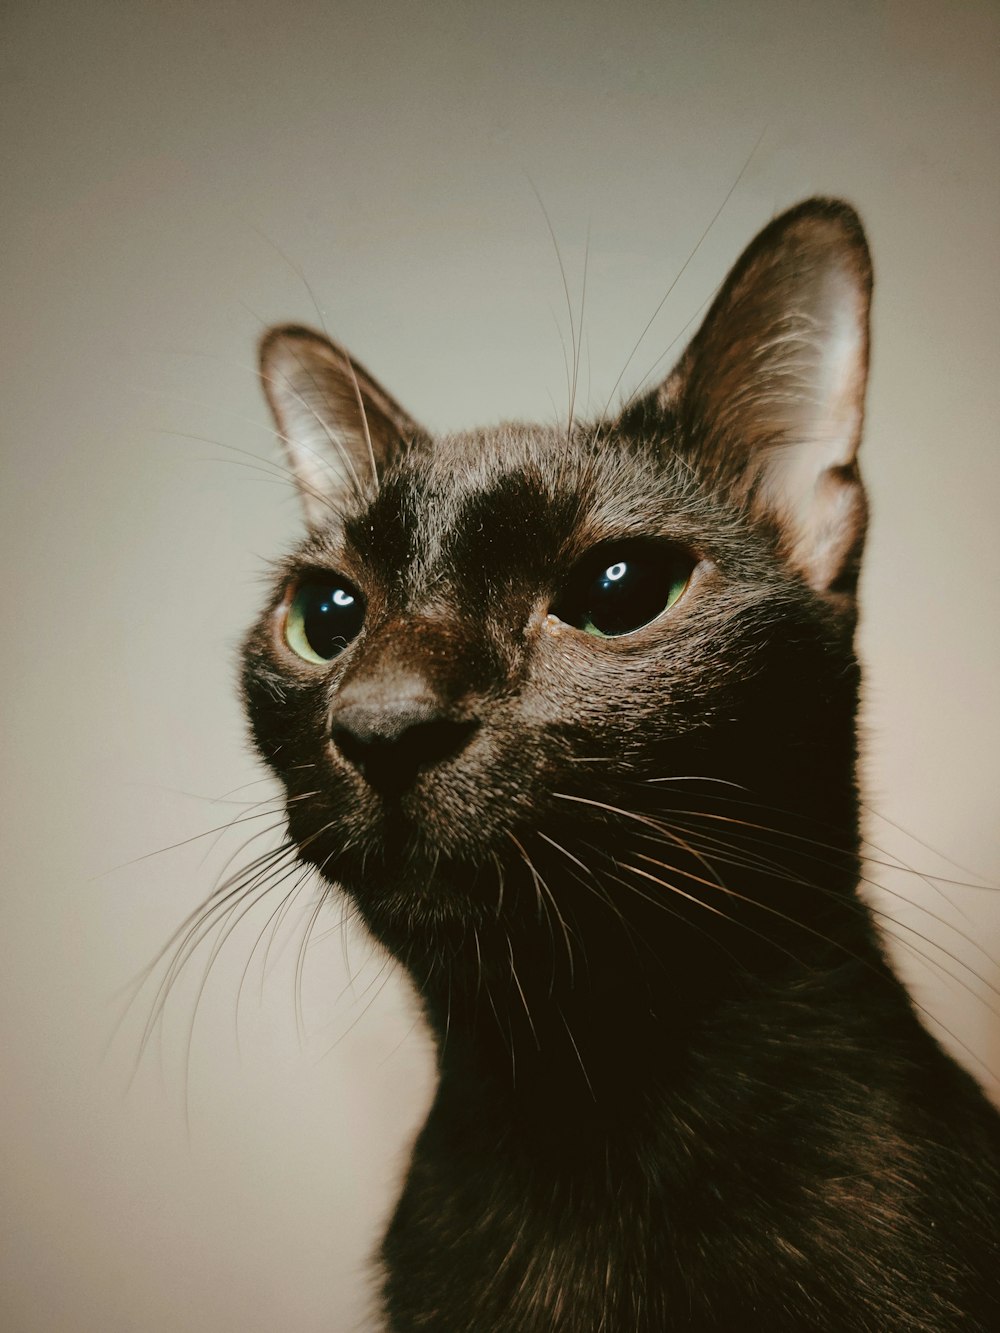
x=429 y=839
x=397 y=863
x=394 y=893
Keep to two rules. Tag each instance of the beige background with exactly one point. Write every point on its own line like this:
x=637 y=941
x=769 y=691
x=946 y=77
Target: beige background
x=167 y=170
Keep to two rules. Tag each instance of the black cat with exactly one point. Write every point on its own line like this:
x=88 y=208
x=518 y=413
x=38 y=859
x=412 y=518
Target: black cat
x=570 y=715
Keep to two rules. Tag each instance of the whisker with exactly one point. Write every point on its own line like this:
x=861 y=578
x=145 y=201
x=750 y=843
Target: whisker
x=680 y=916
x=359 y=398
x=926 y=845
x=300 y=961
x=865 y=963
x=641 y=819
x=541 y=886
x=569 y=303
x=680 y=273
x=579 y=341
x=590 y=875
x=929 y=879
x=278 y=470
x=689 y=818
x=520 y=991
x=192 y=932
x=273 y=922
x=299 y=273
x=778 y=872
x=385 y=972
x=579 y=1057
x=591 y=880
x=196 y=837
x=234 y=915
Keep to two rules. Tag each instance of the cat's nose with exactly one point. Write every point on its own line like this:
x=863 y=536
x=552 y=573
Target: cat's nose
x=389 y=742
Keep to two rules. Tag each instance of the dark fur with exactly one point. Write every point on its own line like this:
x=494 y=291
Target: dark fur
x=679 y=1086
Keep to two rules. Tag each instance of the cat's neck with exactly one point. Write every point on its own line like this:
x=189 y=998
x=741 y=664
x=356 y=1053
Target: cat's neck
x=538 y=1028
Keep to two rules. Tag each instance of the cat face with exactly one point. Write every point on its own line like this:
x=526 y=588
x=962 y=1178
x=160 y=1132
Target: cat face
x=508 y=645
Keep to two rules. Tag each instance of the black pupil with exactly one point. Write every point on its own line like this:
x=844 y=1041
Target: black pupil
x=332 y=615
x=625 y=595
x=625 y=590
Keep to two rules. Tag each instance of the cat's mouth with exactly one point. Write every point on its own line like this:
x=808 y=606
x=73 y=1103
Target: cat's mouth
x=428 y=834
x=442 y=789
x=403 y=878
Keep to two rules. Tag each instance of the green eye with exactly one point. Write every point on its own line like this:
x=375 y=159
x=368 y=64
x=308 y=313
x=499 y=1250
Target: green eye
x=624 y=588
x=323 y=616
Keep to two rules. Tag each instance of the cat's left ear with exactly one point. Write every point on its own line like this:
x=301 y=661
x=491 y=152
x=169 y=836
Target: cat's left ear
x=338 y=426
x=769 y=396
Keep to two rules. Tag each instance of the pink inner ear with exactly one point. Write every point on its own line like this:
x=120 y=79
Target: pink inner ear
x=808 y=480
x=772 y=387
x=338 y=426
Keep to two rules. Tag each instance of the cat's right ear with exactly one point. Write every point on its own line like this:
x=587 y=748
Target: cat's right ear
x=767 y=402
x=338 y=426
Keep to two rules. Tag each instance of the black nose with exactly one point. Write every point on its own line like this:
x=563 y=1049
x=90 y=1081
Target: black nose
x=389 y=743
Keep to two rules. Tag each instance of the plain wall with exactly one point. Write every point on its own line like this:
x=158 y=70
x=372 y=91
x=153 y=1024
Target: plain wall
x=169 y=172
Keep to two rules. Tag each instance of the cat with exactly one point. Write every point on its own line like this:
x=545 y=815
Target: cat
x=569 y=715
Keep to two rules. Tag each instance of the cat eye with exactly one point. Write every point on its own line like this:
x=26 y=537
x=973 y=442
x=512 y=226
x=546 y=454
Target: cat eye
x=323 y=616
x=622 y=588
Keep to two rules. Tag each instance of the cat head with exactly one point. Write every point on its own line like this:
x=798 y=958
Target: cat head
x=510 y=646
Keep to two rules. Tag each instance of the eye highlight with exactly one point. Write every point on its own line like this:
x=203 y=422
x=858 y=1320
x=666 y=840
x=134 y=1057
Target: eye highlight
x=323 y=616
x=620 y=589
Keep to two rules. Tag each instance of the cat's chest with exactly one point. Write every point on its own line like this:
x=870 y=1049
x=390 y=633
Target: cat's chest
x=565 y=1263
x=638 y=1240
x=773 y=1209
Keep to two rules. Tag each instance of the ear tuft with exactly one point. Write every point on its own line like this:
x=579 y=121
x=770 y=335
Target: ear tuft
x=338 y=426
